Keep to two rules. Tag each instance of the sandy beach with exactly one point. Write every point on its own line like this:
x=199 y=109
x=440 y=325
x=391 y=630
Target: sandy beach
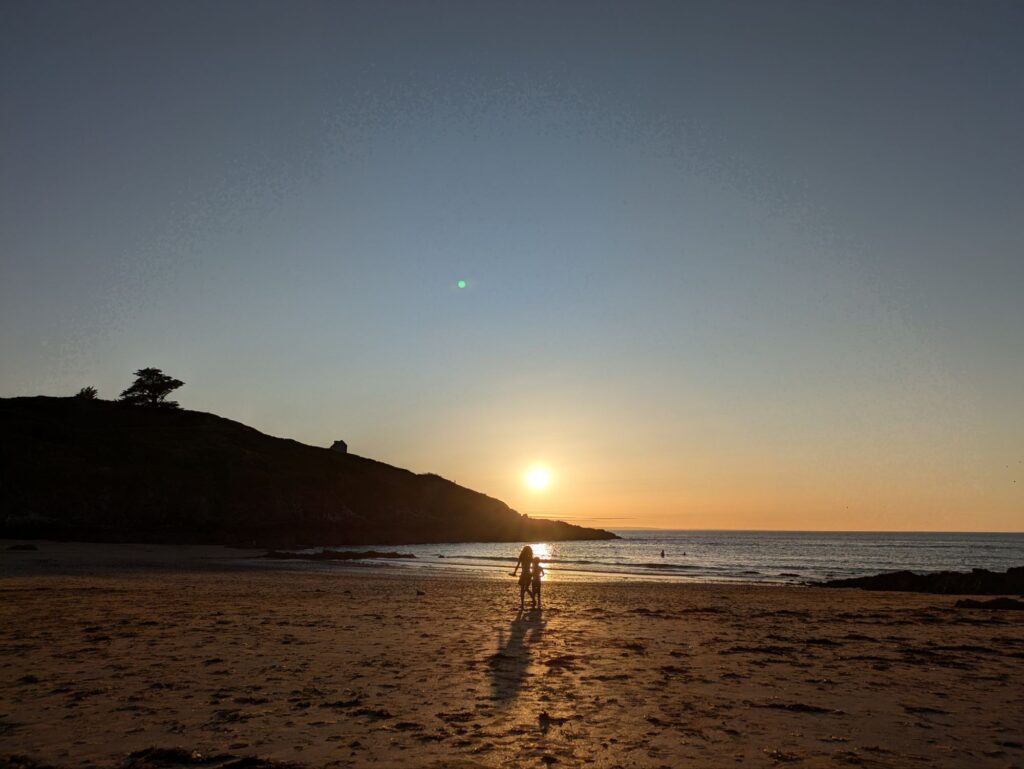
x=108 y=650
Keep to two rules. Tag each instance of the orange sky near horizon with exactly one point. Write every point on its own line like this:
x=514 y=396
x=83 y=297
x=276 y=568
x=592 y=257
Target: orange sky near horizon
x=726 y=469
x=709 y=464
x=756 y=499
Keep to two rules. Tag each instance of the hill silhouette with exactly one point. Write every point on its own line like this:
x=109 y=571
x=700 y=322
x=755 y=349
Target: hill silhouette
x=101 y=471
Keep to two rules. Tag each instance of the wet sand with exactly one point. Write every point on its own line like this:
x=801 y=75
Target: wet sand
x=107 y=650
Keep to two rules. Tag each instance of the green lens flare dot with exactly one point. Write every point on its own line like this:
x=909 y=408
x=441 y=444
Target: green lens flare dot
x=461 y=284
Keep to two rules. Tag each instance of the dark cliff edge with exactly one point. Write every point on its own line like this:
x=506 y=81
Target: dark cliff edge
x=100 y=471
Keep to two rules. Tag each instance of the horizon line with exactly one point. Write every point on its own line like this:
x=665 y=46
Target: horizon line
x=810 y=531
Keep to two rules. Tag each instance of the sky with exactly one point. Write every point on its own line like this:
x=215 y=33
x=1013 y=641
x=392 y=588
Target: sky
x=747 y=265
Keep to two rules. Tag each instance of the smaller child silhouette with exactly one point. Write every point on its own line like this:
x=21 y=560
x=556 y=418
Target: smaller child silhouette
x=536 y=572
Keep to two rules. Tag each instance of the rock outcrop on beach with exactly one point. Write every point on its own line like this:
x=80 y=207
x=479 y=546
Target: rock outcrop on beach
x=974 y=582
x=994 y=604
x=100 y=471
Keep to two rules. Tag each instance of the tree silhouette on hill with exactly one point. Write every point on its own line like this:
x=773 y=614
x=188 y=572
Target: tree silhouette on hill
x=151 y=388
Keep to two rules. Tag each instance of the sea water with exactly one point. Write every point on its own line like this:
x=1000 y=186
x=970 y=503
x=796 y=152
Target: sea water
x=725 y=556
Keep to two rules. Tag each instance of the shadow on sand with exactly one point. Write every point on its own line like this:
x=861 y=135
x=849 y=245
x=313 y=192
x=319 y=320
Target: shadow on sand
x=508 y=665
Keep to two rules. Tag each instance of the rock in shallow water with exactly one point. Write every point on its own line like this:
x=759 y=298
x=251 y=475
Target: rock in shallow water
x=974 y=582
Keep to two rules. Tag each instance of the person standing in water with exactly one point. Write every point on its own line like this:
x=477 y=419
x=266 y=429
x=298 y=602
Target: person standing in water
x=526 y=563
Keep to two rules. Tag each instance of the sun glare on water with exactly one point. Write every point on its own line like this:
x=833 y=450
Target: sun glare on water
x=538 y=478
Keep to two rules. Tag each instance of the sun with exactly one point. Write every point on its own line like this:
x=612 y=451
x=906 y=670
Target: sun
x=538 y=478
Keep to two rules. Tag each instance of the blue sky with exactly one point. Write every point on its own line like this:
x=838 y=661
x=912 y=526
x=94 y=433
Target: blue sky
x=729 y=264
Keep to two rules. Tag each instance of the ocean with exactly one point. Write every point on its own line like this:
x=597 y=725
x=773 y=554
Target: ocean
x=723 y=556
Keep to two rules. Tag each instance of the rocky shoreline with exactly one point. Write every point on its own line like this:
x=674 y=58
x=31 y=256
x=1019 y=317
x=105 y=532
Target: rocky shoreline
x=974 y=582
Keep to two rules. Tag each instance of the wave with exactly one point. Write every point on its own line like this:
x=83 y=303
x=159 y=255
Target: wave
x=590 y=562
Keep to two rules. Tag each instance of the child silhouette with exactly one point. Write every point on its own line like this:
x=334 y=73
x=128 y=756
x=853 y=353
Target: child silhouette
x=536 y=572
